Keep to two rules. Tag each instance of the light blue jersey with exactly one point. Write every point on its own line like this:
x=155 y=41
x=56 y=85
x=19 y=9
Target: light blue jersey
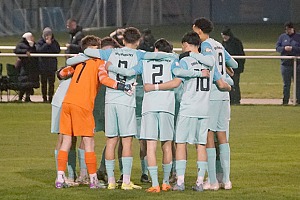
x=154 y=71
x=123 y=58
x=196 y=91
x=222 y=58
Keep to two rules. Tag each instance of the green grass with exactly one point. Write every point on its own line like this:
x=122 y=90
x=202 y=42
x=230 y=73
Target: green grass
x=264 y=144
x=261 y=79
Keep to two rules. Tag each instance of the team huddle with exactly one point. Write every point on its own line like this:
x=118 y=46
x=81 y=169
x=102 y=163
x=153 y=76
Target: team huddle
x=198 y=79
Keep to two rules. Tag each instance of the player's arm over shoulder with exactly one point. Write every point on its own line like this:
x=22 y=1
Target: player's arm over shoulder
x=207 y=59
x=163 y=86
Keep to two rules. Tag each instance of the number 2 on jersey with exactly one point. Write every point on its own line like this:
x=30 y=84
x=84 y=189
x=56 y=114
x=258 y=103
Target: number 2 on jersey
x=157 y=74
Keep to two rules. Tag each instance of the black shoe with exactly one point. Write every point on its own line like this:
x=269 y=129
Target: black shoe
x=172 y=178
x=145 y=178
x=285 y=101
x=102 y=176
x=27 y=99
x=120 y=179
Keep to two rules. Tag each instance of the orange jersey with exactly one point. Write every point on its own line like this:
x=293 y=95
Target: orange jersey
x=86 y=80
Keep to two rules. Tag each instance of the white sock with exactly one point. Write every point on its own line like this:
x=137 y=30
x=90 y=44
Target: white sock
x=93 y=178
x=112 y=180
x=83 y=172
x=126 y=179
x=61 y=176
x=180 y=180
x=199 y=180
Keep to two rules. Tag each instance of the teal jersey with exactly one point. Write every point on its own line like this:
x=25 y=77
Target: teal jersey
x=196 y=91
x=212 y=47
x=156 y=72
x=122 y=58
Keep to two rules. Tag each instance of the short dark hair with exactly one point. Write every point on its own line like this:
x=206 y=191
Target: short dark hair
x=72 y=20
x=288 y=25
x=191 y=38
x=131 y=35
x=90 y=40
x=163 y=45
x=204 y=24
x=108 y=41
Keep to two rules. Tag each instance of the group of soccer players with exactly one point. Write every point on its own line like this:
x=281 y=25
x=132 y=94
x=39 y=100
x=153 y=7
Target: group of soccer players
x=203 y=117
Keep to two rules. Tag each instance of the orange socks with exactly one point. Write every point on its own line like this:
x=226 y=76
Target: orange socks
x=91 y=162
x=62 y=159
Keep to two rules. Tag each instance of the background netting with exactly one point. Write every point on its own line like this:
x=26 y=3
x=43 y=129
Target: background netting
x=19 y=16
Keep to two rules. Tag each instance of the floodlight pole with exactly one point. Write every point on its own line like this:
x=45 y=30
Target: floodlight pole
x=104 y=13
x=98 y=13
x=119 y=13
x=152 y=12
x=41 y=18
x=295 y=82
x=160 y=11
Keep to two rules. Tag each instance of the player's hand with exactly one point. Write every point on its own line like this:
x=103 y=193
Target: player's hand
x=48 y=39
x=205 y=73
x=128 y=88
x=148 y=87
x=108 y=63
x=288 y=48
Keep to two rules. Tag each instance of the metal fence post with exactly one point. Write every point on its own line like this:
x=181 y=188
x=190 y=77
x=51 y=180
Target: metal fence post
x=295 y=81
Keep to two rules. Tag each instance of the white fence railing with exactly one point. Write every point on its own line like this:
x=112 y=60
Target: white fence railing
x=246 y=50
x=177 y=50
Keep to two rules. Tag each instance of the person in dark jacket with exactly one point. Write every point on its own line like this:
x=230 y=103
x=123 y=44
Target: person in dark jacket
x=234 y=46
x=47 y=65
x=76 y=34
x=288 y=44
x=28 y=66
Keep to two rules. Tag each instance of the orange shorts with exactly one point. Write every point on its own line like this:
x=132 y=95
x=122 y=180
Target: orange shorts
x=76 y=121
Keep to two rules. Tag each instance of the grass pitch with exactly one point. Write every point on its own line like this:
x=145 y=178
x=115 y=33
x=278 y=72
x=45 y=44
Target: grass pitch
x=264 y=144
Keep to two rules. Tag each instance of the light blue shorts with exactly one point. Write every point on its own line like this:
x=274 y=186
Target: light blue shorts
x=157 y=126
x=120 y=120
x=219 y=115
x=191 y=130
x=55 y=117
x=138 y=122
